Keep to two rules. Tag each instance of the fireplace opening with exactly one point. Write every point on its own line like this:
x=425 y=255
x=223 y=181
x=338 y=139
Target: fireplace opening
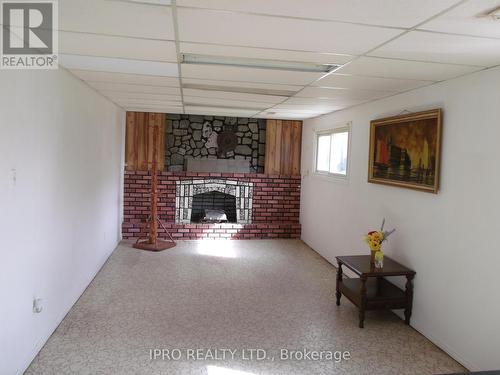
x=193 y=199
x=213 y=207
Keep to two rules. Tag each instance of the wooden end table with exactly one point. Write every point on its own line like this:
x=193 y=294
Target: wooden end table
x=372 y=291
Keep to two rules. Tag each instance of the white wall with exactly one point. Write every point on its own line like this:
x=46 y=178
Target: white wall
x=450 y=239
x=60 y=220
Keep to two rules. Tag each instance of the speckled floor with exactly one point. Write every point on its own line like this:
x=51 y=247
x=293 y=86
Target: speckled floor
x=238 y=295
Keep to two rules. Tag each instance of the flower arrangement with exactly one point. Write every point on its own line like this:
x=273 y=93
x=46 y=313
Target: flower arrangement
x=374 y=240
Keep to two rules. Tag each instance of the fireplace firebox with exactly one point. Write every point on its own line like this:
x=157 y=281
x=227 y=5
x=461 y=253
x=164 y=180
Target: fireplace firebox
x=194 y=197
x=213 y=207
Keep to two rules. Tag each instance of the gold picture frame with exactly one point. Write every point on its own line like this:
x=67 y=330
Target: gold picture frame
x=405 y=150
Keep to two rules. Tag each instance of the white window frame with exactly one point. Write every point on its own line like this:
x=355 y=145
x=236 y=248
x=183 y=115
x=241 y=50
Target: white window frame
x=342 y=128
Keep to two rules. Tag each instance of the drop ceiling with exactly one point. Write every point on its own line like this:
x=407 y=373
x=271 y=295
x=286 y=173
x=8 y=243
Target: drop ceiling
x=130 y=51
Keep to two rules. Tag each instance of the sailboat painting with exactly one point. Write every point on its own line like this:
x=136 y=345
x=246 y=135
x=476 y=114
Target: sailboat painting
x=405 y=150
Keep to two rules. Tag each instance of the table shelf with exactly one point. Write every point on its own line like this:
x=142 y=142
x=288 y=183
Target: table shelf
x=380 y=293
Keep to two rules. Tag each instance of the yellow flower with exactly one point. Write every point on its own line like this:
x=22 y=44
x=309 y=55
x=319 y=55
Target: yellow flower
x=374 y=240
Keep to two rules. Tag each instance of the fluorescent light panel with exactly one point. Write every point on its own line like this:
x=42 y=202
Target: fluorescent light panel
x=243 y=62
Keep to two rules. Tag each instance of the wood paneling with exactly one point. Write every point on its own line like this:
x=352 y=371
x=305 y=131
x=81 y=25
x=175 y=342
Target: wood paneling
x=139 y=140
x=296 y=146
x=283 y=145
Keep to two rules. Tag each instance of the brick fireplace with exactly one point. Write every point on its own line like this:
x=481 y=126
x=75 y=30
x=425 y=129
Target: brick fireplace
x=267 y=206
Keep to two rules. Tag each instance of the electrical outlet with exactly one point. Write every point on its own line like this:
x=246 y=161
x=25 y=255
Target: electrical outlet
x=37 y=305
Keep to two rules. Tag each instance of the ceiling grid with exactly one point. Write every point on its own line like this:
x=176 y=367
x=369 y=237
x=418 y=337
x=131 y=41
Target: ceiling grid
x=131 y=51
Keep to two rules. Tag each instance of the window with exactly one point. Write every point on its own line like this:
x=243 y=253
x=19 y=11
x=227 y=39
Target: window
x=332 y=148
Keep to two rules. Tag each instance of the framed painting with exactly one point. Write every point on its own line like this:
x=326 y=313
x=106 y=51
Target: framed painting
x=405 y=151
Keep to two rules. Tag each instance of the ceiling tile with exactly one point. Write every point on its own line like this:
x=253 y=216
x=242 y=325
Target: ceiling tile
x=292 y=112
x=196 y=101
x=285 y=116
x=443 y=48
x=155 y=2
x=296 y=108
x=468 y=18
x=264 y=53
x=392 y=68
x=160 y=109
x=121 y=87
x=333 y=93
x=139 y=96
x=137 y=79
x=116 y=46
x=348 y=81
x=218 y=111
x=197 y=25
x=234 y=96
x=395 y=13
x=316 y=103
x=214 y=72
x=137 y=103
x=124 y=18
x=237 y=84
x=303 y=108
x=107 y=64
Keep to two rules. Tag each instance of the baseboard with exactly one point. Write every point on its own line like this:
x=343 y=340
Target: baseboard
x=445 y=348
x=40 y=344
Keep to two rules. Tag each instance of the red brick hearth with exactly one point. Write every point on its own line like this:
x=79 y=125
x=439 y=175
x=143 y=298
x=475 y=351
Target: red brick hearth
x=275 y=214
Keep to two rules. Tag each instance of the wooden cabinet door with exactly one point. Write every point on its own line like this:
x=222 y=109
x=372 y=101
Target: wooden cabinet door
x=283 y=146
